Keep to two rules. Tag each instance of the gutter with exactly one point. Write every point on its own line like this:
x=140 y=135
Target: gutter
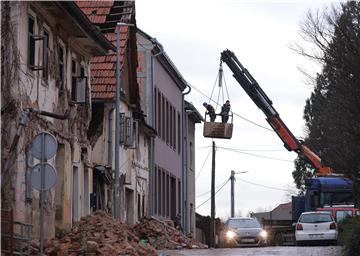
x=185 y=162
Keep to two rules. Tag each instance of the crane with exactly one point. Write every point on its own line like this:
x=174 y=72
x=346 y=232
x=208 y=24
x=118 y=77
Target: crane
x=258 y=96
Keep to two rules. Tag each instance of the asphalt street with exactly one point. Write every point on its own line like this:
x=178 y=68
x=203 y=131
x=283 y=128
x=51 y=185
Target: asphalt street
x=264 y=251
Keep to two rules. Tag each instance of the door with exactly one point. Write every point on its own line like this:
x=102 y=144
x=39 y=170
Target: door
x=75 y=197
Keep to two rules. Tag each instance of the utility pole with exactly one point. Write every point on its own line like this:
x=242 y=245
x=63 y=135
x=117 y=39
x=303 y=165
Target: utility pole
x=232 y=179
x=212 y=221
x=117 y=123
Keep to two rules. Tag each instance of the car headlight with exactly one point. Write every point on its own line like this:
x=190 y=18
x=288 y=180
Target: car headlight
x=263 y=234
x=230 y=234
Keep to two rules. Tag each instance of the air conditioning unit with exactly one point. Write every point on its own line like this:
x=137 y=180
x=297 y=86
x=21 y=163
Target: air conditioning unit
x=129 y=131
x=79 y=92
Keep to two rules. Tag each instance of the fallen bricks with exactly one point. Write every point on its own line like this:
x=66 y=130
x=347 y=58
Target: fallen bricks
x=100 y=234
x=163 y=236
x=96 y=234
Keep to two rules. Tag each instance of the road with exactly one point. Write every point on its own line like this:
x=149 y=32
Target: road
x=265 y=251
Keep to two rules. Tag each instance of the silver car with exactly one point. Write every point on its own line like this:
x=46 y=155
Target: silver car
x=244 y=231
x=316 y=227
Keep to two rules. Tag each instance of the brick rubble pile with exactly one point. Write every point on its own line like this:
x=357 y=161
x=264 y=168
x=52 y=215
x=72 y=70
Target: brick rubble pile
x=100 y=234
x=163 y=236
x=96 y=234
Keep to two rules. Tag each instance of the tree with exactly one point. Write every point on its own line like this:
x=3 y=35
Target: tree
x=332 y=113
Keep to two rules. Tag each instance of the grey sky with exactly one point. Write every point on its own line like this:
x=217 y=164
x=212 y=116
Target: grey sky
x=193 y=34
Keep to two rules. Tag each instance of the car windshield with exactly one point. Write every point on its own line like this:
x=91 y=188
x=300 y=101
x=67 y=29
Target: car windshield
x=315 y=218
x=243 y=223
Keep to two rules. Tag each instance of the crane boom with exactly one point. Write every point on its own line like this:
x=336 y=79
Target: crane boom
x=258 y=96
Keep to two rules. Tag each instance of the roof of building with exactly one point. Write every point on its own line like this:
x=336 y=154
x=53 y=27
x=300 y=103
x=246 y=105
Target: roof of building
x=165 y=61
x=106 y=15
x=284 y=206
x=194 y=113
x=84 y=22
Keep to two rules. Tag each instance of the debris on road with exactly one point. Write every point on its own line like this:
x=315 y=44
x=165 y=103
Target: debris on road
x=96 y=234
x=100 y=234
x=161 y=235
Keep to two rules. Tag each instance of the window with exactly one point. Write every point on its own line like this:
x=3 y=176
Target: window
x=167 y=122
x=163 y=118
x=73 y=67
x=156 y=189
x=191 y=155
x=342 y=214
x=163 y=194
x=138 y=205
x=179 y=133
x=155 y=109
x=167 y=195
x=31 y=42
x=171 y=127
x=61 y=63
x=79 y=84
x=45 y=64
x=159 y=119
x=179 y=196
x=174 y=128
x=159 y=191
x=82 y=71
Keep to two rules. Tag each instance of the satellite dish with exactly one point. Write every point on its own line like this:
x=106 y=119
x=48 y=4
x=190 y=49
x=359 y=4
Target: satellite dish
x=50 y=175
x=50 y=146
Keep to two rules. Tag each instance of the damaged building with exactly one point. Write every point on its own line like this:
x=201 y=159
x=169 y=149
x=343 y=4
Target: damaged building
x=135 y=133
x=46 y=50
x=59 y=76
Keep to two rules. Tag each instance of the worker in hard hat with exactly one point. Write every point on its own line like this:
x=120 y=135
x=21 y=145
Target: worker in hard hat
x=210 y=110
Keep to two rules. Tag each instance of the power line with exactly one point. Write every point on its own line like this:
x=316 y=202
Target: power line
x=215 y=194
x=266 y=128
x=210 y=190
x=256 y=155
x=197 y=176
x=249 y=150
x=264 y=186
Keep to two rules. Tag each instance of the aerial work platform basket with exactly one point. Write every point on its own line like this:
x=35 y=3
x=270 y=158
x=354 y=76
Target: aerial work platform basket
x=218 y=130
x=223 y=129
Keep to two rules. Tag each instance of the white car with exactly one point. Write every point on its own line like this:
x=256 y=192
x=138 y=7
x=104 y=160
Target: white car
x=316 y=227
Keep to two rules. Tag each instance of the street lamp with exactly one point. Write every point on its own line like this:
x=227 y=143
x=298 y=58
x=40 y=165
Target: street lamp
x=117 y=124
x=232 y=178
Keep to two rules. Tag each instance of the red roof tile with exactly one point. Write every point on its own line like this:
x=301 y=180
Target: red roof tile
x=103 y=68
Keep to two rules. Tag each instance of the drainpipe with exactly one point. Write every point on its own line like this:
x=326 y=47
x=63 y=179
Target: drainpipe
x=110 y=147
x=185 y=164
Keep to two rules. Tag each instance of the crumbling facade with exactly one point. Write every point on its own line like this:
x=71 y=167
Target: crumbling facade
x=46 y=51
x=135 y=133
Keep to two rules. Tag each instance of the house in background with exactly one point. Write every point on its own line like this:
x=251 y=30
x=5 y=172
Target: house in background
x=135 y=131
x=192 y=117
x=162 y=88
x=172 y=181
x=46 y=52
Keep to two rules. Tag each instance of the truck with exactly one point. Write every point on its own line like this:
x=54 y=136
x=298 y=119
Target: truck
x=324 y=189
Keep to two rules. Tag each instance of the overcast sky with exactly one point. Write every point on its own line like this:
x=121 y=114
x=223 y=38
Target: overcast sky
x=193 y=34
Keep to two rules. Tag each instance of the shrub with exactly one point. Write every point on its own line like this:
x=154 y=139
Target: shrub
x=349 y=236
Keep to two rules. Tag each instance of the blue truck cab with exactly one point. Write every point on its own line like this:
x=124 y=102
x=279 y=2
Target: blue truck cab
x=323 y=191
